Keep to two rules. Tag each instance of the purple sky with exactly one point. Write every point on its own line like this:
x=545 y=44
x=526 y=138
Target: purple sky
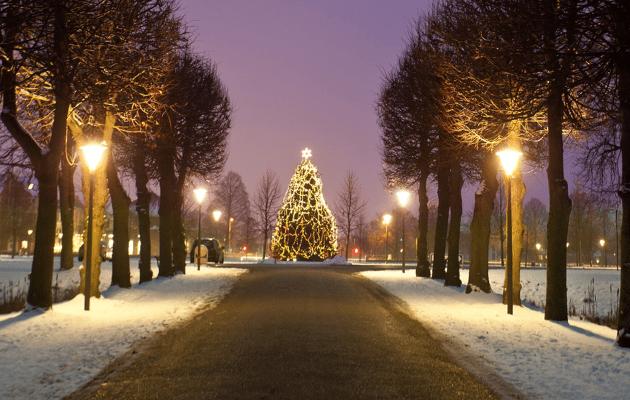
x=307 y=74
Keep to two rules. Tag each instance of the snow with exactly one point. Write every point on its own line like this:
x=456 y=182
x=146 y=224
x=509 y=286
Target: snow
x=47 y=355
x=544 y=359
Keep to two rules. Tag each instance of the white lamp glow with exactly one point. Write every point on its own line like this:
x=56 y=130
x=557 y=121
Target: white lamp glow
x=403 y=197
x=93 y=154
x=509 y=159
x=200 y=194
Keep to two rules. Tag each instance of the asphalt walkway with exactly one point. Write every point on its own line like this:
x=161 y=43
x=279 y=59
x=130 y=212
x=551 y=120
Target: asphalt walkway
x=293 y=334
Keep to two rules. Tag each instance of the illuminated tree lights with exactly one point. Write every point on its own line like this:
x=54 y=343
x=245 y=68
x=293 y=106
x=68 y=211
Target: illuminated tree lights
x=305 y=229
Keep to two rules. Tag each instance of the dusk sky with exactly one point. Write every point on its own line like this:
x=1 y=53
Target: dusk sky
x=307 y=74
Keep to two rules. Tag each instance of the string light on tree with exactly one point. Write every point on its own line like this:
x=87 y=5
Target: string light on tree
x=306 y=229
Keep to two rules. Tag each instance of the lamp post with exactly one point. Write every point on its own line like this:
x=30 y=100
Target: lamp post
x=230 y=235
x=509 y=159
x=216 y=214
x=403 y=196
x=28 y=250
x=602 y=243
x=538 y=252
x=386 y=220
x=200 y=193
x=93 y=153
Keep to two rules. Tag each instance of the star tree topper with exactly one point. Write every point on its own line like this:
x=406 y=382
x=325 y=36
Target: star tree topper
x=306 y=153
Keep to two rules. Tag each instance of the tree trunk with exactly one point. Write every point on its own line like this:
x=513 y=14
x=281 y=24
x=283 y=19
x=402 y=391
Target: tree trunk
x=179 y=231
x=422 y=269
x=66 y=210
x=41 y=277
x=264 y=252
x=455 y=193
x=179 y=239
x=121 y=272
x=167 y=207
x=441 y=225
x=480 y=227
x=559 y=213
x=623 y=330
x=143 y=208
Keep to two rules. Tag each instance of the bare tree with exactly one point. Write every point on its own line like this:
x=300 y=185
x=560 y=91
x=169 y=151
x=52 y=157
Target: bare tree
x=535 y=219
x=231 y=197
x=349 y=206
x=267 y=202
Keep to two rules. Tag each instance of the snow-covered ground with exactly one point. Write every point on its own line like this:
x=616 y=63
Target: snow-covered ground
x=547 y=360
x=49 y=355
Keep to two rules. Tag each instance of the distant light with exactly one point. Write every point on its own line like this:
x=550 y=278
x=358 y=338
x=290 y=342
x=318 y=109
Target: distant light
x=387 y=219
x=602 y=242
x=217 y=215
x=31 y=186
x=306 y=153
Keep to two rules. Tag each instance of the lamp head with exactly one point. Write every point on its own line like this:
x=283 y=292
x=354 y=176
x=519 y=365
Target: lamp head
x=93 y=154
x=216 y=214
x=387 y=219
x=509 y=159
x=602 y=242
x=403 y=196
x=200 y=193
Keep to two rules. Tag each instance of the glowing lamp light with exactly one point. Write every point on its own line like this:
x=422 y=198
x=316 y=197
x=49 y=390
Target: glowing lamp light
x=93 y=154
x=509 y=159
x=200 y=194
x=387 y=219
x=403 y=197
x=538 y=246
x=602 y=242
x=306 y=153
x=217 y=215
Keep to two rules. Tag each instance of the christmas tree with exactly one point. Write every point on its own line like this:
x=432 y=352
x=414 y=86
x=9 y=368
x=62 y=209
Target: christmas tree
x=305 y=228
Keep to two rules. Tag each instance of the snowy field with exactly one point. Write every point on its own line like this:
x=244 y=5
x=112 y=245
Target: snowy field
x=49 y=355
x=546 y=360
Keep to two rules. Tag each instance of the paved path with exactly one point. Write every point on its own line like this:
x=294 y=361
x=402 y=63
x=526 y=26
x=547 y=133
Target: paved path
x=293 y=334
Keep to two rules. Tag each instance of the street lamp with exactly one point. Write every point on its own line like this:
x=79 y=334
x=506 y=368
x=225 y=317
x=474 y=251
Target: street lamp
x=30 y=232
x=509 y=159
x=230 y=235
x=200 y=193
x=93 y=153
x=386 y=220
x=403 y=196
x=538 y=253
x=602 y=243
x=217 y=215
